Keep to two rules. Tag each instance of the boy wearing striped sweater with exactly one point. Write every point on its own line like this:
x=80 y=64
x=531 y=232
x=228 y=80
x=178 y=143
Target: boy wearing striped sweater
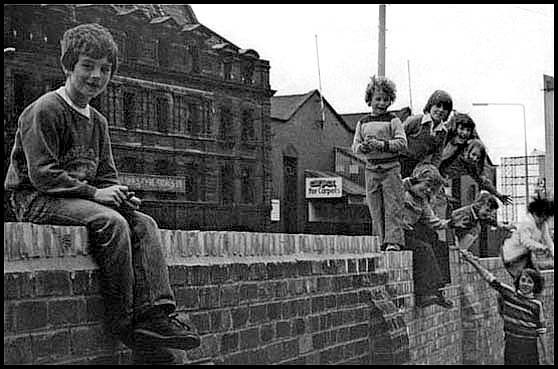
x=380 y=137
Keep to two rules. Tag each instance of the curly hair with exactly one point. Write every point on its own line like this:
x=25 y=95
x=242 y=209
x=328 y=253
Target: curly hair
x=541 y=207
x=90 y=39
x=535 y=275
x=439 y=97
x=463 y=120
x=380 y=84
x=476 y=144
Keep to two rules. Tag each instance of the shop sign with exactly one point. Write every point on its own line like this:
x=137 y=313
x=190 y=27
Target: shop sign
x=324 y=187
x=147 y=182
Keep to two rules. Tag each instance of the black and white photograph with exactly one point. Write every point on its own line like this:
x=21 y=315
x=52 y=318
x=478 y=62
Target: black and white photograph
x=278 y=184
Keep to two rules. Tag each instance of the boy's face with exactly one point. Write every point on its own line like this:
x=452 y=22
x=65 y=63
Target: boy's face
x=486 y=212
x=438 y=113
x=463 y=134
x=380 y=102
x=474 y=155
x=89 y=78
x=423 y=189
x=526 y=284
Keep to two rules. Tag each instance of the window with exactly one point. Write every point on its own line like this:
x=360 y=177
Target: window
x=163 y=47
x=162 y=114
x=247 y=124
x=248 y=185
x=195 y=55
x=226 y=132
x=128 y=110
x=227 y=70
x=193 y=118
x=164 y=167
x=247 y=73
x=227 y=184
x=192 y=181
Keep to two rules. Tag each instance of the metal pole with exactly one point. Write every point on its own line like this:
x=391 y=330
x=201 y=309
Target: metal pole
x=382 y=42
x=526 y=158
x=320 y=83
x=410 y=91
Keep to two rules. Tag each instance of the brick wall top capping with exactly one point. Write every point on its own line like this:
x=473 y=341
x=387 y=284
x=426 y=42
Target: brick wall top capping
x=27 y=241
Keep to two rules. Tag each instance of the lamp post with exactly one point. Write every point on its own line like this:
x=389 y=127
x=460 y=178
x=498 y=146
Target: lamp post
x=525 y=143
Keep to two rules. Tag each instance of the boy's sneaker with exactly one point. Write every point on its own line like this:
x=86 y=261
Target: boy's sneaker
x=163 y=330
x=444 y=302
x=393 y=247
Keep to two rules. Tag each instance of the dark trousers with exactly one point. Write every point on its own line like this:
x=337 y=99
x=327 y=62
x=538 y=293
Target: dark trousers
x=521 y=351
x=407 y=166
x=427 y=276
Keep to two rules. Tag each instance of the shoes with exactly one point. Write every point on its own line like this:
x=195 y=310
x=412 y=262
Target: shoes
x=393 y=247
x=163 y=330
x=443 y=302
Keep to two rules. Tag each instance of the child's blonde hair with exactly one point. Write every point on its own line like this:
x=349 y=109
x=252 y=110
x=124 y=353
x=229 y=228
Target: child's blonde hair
x=381 y=84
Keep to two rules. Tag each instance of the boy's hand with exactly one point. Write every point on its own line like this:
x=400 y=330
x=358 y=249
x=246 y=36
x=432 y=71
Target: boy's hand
x=112 y=196
x=506 y=199
x=375 y=143
x=365 y=148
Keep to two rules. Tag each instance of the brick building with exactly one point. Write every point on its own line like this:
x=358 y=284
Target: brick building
x=307 y=144
x=188 y=110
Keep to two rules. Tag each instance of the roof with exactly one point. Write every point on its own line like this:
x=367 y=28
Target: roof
x=349 y=187
x=285 y=107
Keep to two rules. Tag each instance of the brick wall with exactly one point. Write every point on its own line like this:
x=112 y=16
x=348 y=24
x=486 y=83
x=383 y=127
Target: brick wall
x=255 y=298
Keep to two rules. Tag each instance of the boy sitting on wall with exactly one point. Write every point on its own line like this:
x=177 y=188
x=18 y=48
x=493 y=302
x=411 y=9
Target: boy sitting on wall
x=62 y=172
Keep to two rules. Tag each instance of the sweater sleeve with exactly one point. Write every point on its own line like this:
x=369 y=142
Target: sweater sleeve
x=399 y=141
x=432 y=221
x=357 y=139
x=41 y=144
x=107 y=175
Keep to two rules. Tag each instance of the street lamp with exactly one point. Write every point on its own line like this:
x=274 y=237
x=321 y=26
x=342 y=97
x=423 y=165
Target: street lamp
x=525 y=143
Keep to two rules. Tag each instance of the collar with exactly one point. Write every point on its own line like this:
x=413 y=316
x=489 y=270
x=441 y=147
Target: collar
x=427 y=118
x=86 y=112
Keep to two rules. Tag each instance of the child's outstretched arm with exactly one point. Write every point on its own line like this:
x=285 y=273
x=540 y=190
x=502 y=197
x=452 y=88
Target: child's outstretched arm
x=473 y=260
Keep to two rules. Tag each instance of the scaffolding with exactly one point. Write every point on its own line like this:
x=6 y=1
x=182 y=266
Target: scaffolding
x=512 y=182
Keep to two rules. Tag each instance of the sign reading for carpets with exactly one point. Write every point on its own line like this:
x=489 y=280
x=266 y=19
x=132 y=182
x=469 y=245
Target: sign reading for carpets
x=148 y=182
x=324 y=187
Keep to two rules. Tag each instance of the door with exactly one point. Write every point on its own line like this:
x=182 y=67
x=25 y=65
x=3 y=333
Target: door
x=290 y=175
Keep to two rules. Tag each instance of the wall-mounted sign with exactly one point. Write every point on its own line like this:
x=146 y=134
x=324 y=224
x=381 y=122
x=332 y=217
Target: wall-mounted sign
x=324 y=187
x=147 y=182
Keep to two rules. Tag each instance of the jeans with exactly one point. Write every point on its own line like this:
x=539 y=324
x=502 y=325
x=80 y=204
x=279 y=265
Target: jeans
x=384 y=195
x=125 y=244
x=427 y=276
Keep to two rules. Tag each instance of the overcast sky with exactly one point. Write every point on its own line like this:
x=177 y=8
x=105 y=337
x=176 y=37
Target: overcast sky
x=478 y=53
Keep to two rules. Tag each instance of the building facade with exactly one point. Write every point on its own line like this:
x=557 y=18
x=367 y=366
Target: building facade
x=308 y=144
x=188 y=110
x=549 y=133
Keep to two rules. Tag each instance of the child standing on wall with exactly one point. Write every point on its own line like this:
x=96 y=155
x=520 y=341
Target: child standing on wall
x=426 y=133
x=62 y=172
x=524 y=322
x=380 y=137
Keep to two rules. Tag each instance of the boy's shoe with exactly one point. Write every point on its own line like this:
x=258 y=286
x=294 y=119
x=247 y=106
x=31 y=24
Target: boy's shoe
x=155 y=355
x=443 y=302
x=163 y=330
x=393 y=247
x=427 y=300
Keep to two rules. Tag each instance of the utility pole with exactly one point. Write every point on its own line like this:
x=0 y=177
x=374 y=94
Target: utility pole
x=382 y=42
x=410 y=91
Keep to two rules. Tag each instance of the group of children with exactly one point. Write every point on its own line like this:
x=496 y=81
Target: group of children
x=62 y=171
x=408 y=164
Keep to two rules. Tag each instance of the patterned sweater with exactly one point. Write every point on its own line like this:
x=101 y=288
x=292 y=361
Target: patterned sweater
x=60 y=152
x=387 y=127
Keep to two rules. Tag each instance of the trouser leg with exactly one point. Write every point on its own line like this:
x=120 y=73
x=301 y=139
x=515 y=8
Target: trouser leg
x=374 y=199
x=392 y=189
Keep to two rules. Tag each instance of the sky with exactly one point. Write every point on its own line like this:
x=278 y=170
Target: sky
x=478 y=53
